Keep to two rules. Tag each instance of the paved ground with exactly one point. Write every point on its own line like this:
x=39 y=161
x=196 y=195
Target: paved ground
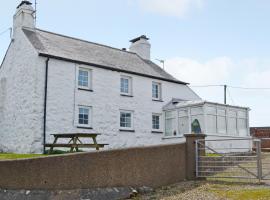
x=210 y=190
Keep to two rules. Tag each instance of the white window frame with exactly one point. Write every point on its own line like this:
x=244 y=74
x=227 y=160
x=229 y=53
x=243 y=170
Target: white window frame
x=89 y=71
x=160 y=122
x=129 y=93
x=159 y=90
x=90 y=109
x=131 y=120
x=175 y=118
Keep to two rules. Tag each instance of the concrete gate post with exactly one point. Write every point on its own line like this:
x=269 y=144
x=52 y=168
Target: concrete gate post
x=191 y=154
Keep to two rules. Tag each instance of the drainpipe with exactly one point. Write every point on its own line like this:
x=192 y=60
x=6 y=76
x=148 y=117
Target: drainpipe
x=45 y=104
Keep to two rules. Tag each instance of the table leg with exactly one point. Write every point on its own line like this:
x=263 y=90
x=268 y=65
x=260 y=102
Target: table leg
x=54 y=142
x=74 y=142
x=95 y=142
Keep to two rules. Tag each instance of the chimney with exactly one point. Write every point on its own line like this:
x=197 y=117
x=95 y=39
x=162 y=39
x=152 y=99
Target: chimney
x=24 y=17
x=141 y=46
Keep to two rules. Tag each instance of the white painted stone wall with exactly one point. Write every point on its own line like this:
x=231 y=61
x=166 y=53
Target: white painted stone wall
x=20 y=111
x=106 y=101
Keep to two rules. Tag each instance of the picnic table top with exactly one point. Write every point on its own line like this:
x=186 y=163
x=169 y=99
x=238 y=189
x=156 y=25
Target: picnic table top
x=70 y=135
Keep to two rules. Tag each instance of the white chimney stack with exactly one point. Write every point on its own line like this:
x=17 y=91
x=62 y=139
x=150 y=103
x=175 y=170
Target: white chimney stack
x=141 y=46
x=24 y=17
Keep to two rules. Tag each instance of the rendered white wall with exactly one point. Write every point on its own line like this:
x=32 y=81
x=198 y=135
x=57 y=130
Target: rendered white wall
x=20 y=111
x=106 y=101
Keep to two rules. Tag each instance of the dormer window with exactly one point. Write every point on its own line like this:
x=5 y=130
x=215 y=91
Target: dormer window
x=156 y=91
x=126 y=85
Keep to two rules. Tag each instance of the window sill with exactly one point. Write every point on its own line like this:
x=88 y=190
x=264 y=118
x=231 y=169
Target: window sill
x=231 y=136
x=85 y=89
x=126 y=130
x=158 y=100
x=84 y=127
x=126 y=95
x=158 y=132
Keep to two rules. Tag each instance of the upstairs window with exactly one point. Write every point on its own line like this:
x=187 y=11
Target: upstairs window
x=125 y=85
x=84 y=78
x=156 y=91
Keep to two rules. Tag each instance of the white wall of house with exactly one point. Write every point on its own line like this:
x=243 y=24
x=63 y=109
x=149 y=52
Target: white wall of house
x=20 y=111
x=64 y=97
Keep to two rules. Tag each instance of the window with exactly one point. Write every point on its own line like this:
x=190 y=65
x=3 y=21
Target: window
x=84 y=116
x=156 y=121
x=242 y=123
x=232 y=122
x=221 y=121
x=211 y=120
x=170 y=123
x=183 y=122
x=156 y=91
x=125 y=86
x=126 y=119
x=197 y=114
x=84 y=78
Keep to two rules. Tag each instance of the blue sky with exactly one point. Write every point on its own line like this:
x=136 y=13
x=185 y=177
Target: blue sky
x=203 y=41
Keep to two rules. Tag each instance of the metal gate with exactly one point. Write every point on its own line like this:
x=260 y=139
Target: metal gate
x=233 y=158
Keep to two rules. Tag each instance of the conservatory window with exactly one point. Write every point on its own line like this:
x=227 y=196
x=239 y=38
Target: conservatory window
x=197 y=113
x=211 y=119
x=242 y=123
x=183 y=122
x=170 y=122
x=232 y=122
x=221 y=121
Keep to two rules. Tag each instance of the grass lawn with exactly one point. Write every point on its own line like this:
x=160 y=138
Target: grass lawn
x=11 y=156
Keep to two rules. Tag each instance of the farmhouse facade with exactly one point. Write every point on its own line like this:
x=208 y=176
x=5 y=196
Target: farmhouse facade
x=51 y=83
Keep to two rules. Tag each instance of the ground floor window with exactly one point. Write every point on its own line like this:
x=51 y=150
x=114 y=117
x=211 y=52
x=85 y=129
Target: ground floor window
x=156 y=119
x=84 y=114
x=126 y=119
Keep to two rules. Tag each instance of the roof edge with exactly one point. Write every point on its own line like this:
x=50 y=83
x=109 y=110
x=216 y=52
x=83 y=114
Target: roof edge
x=110 y=68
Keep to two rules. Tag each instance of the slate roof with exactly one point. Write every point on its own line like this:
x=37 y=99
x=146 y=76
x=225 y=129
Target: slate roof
x=84 y=52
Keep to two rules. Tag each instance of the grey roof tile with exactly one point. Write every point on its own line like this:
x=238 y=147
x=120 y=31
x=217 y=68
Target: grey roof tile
x=73 y=49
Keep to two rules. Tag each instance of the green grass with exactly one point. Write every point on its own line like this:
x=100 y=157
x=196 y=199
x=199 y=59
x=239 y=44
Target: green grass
x=12 y=156
x=243 y=194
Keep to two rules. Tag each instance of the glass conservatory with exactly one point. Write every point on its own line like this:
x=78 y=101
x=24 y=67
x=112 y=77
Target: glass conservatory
x=183 y=117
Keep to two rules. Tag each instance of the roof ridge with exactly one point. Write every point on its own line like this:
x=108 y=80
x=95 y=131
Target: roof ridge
x=82 y=40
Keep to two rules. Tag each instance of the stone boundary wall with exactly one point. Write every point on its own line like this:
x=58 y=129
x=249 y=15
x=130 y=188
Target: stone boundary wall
x=152 y=166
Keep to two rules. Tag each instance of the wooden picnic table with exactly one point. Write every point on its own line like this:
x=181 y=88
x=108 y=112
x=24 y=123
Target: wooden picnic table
x=75 y=142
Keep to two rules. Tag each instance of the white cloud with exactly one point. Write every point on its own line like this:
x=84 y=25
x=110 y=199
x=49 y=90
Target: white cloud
x=175 y=8
x=214 y=71
x=225 y=70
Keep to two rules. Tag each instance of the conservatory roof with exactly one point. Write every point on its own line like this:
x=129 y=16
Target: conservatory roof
x=178 y=103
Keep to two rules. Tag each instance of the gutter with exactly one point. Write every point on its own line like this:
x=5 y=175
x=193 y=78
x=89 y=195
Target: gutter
x=110 y=68
x=45 y=103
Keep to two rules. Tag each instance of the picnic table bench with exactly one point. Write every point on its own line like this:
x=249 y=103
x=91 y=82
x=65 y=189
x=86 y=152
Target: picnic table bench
x=75 y=142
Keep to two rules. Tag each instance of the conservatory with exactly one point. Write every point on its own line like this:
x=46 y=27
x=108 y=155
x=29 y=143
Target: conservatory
x=212 y=119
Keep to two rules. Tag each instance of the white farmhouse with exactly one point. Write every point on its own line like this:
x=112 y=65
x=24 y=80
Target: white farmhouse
x=51 y=83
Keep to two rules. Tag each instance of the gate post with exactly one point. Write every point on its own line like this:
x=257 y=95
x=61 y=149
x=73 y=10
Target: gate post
x=191 y=154
x=259 y=159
